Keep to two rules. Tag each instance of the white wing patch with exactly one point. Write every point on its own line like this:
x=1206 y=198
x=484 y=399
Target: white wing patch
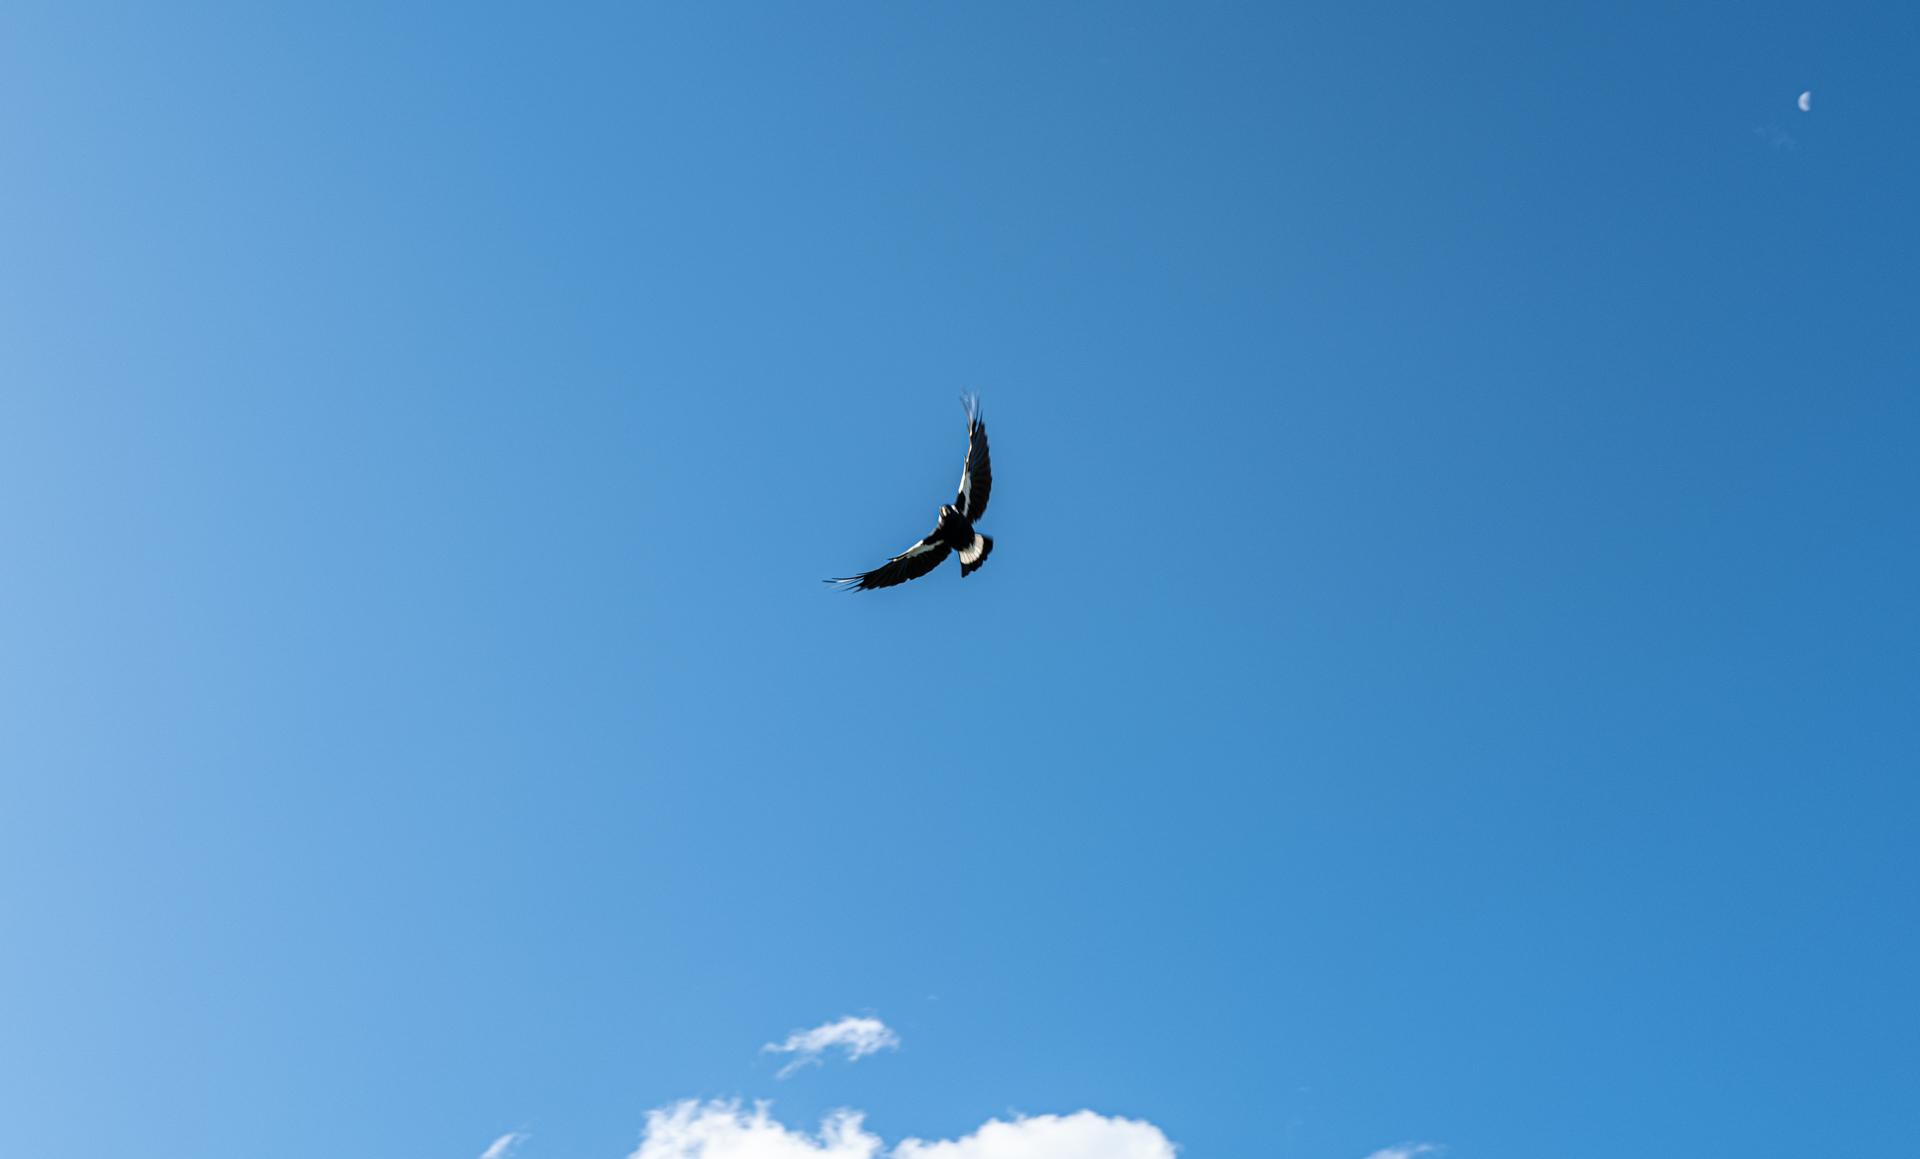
x=974 y=550
x=921 y=548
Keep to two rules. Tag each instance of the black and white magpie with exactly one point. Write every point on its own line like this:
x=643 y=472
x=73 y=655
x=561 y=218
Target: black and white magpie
x=955 y=532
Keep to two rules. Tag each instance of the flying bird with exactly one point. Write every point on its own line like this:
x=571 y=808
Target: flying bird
x=955 y=532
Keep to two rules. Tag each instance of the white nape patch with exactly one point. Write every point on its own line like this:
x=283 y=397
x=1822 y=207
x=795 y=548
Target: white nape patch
x=974 y=550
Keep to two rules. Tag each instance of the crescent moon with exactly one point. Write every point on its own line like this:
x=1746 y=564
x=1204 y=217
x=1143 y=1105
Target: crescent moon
x=1806 y=101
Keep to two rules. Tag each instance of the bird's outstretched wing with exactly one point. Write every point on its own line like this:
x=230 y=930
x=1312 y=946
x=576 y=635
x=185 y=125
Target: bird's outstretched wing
x=912 y=563
x=976 y=476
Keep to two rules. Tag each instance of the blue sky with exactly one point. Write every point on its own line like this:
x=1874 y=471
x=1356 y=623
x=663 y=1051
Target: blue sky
x=1447 y=673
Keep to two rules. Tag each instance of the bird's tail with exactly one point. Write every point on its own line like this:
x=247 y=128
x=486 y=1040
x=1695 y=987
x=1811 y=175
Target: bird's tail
x=975 y=553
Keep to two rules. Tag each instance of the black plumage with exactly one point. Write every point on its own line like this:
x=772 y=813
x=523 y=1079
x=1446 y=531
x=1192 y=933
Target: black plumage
x=955 y=531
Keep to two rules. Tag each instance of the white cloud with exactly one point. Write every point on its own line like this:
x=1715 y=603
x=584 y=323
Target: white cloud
x=859 y=1037
x=1407 y=1151
x=503 y=1145
x=692 y=1130
x=1081 y=1135
x=695 y=1130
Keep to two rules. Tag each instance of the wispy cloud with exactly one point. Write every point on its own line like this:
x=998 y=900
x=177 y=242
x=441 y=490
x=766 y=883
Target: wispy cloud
x=717 y=1130
x=859 y=1037
x=503 y=1146
x=1407 y=1151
